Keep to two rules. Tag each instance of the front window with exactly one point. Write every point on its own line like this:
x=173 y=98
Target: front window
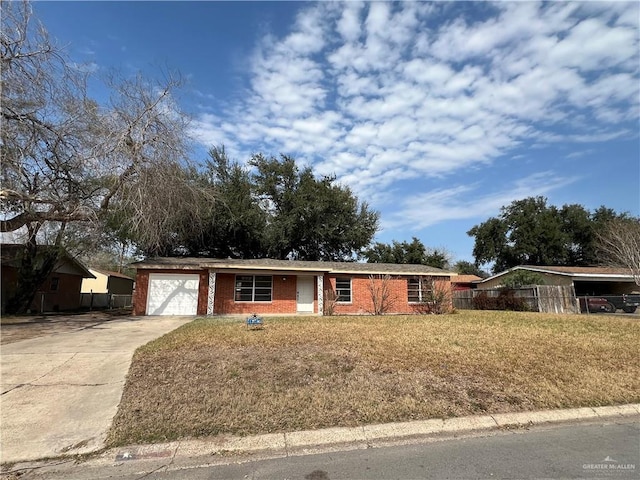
x=418 y=289
x=55 y=281
x=253 y=288
x=343 y=289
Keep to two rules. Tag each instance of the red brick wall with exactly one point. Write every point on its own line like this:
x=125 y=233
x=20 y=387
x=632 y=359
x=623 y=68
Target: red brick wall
x=283 y=294
x=142 y=289
x=361 y=301
x=283 y=297
x=140 y=292
x=203 y=292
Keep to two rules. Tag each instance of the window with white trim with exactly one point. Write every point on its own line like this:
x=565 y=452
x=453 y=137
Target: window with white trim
x=253 y=288
x=343 y=289
x=418 y=289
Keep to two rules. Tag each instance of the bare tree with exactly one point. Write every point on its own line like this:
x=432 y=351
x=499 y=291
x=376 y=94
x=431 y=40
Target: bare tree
x=435 y=296
x=46 y=121
x=67 y=160
x=381 y=295
x=619 y=245
x=329 y=304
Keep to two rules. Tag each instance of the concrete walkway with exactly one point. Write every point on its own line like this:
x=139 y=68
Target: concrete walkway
x=60 y=392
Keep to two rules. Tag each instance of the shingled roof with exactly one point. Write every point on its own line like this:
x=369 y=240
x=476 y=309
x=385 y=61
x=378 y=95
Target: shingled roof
x=576 y=273
x=10 y=254
x=110 y=273
x=191 y=263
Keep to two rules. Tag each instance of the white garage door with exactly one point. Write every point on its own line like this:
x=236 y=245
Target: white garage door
x=172 y=294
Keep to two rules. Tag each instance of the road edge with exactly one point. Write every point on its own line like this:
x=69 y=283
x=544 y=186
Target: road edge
x=229 y=449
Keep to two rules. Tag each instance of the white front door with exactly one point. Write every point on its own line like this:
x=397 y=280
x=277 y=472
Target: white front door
x=304 y=294
x=172 y=294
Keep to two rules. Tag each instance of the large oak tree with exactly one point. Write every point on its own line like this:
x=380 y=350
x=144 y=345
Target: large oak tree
x=273 y=208
x=530 y=232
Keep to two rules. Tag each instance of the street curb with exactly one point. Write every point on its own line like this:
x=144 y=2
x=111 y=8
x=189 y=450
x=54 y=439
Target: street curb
x=369 y=435
x=224 y=449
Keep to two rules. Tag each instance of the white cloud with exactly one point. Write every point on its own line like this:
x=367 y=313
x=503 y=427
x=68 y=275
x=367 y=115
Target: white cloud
x=349 y=24
x=379 y=93
x=466 y=202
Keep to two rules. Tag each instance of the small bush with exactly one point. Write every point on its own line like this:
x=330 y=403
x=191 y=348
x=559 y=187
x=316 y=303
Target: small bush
x=506 y=300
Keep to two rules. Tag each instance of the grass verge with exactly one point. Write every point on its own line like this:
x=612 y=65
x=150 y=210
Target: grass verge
x=214 y=377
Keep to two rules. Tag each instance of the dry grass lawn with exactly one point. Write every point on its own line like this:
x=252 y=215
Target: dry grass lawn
x=214 y=376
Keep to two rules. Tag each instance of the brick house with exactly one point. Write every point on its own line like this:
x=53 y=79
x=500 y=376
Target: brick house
x=465 y=282
x=205 y=286
x=60 y=291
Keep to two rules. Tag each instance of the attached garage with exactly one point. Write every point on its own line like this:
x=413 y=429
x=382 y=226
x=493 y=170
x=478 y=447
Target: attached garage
x=211 y=286
x=173 y=294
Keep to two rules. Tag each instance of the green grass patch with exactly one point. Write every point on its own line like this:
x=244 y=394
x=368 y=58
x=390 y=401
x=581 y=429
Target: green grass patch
x=214 y=376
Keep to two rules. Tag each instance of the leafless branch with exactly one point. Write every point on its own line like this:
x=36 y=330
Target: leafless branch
x=381 y=295
x=619 y=245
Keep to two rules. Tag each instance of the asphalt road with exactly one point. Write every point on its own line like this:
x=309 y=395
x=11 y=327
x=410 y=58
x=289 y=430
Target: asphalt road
x=604 y=450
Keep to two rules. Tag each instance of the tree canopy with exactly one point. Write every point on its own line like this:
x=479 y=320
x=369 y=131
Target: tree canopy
x=530 y=232
x=413 y=252
x=520 y=278
x=463 y=267
x=273 y=208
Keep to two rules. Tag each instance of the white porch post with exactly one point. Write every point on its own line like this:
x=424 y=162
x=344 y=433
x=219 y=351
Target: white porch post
x=212 y=292
x=320 y=294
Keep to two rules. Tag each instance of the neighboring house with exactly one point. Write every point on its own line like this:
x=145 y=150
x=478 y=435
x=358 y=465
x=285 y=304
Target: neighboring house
x=60 y=291
x=105 y=281
x=205 y=286
x=585 y=280
x=464 y=282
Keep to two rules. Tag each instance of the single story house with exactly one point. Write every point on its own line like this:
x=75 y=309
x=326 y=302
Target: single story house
x=585 y=280
x=106 y=281
x=60 y=291
x=206 y=286
x=464 y=282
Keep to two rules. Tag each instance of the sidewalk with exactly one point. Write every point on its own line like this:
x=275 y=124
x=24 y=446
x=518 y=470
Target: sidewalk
x=174 y=456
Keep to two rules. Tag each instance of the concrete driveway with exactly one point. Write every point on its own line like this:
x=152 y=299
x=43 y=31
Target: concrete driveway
x=60 y=392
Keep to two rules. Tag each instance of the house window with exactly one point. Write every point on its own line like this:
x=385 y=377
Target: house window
x=253 y=288
x=54 y=284
x=418 y=289
x=343 y=289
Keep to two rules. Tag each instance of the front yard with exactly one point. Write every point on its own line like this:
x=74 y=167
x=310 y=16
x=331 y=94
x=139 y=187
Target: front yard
x=213 y=376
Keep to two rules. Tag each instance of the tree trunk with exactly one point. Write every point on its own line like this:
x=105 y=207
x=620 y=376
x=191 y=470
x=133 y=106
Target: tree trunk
x=35 y=264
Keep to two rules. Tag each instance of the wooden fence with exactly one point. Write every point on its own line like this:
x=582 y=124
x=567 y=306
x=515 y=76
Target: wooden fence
x=539 y=298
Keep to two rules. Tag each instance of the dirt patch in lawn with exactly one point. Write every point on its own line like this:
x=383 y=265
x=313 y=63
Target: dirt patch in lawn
x=23 y=327
x=211 y=377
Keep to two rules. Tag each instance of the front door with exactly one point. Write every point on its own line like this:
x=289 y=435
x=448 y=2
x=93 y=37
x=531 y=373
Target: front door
x=304 y=294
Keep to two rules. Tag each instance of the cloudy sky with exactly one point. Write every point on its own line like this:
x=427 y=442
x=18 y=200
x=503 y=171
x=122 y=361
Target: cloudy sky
x=436 y=114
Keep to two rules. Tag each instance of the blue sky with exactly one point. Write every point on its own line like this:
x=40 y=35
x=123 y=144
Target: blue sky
x=436 y=114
